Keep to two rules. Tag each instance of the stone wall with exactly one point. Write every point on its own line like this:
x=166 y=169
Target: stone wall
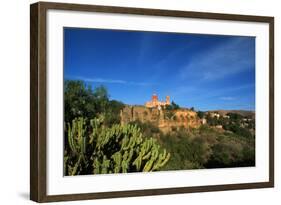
x=165 y=120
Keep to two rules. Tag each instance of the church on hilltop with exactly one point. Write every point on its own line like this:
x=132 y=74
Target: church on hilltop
x=156 y=103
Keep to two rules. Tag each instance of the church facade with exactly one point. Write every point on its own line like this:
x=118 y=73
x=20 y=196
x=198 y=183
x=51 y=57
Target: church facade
x=156 y=103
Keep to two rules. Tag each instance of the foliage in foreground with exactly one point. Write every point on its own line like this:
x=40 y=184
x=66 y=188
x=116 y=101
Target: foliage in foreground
x=98 y=149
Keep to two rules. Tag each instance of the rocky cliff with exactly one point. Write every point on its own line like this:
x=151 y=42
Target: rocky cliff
x=165 y=120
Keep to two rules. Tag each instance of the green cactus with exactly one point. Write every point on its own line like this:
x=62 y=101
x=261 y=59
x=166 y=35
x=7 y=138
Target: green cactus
x=97 y=149
x=76 y=135
x=77 y=143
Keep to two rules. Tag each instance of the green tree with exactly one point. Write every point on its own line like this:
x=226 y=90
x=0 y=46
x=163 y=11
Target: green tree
x=101 y=99
x=112 y=113
x=81 y=101
x=200 y=114
x=169 y=110
x=173 y=106
x=78 y=100
x=235 y=116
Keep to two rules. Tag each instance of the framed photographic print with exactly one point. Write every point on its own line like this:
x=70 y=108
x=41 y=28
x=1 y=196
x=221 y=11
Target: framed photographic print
x=133 y=102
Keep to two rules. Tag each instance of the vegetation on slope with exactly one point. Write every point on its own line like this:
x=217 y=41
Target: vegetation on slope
x=95 y=142
x=206 y=147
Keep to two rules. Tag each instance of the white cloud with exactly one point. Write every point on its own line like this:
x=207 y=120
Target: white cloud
x=227 y=98
x=232 y=57
x=111 y=81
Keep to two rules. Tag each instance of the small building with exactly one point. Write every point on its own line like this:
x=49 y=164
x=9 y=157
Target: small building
x=214 y=114
x=203 y=121
x=219 y=127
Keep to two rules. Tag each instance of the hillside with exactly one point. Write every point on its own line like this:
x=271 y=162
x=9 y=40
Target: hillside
x=220 y=142
x=188 y=139
x=244 y=113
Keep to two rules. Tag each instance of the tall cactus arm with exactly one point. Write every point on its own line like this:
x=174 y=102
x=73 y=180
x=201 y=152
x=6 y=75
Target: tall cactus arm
x=138 y=162
x=165 y=160
x=65 y=160
x=117 y=159
x=161 y=161
x=105 y=165
x=70 y=137
x=148 y=166
x=96 y=166
x=74 y=170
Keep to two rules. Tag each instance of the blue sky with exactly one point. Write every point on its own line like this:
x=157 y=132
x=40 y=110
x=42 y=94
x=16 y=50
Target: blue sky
x=206 y=72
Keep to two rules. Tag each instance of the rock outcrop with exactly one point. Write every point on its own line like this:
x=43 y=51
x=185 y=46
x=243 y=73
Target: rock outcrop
x=165 y=120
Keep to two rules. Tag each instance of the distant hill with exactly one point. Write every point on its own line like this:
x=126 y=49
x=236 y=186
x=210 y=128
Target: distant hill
x=245 y=113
